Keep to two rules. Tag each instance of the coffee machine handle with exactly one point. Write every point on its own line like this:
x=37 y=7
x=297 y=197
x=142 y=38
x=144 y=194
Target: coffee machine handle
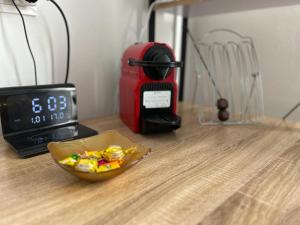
x=133 y=62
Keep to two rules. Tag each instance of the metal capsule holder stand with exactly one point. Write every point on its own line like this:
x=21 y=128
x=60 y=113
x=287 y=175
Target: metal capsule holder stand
x=228 y=87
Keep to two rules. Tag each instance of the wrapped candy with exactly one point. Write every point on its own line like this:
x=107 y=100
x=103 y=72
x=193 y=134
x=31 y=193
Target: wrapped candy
x=130 y=150
x=71 y=160
x=98 y=161
x=101 y=162
x=113 y=148
x=87 y=165
x=95 y=154
x=108 y=167
x=114 y=155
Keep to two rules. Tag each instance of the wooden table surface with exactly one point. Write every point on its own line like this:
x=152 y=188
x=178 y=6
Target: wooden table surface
x=200 y=175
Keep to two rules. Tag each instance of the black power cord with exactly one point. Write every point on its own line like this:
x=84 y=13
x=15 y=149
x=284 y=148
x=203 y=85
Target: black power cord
x=68 y=38
x=28 y=44
x=287 y=115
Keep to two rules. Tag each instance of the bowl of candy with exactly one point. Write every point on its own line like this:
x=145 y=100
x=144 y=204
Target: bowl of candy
x=98 y=158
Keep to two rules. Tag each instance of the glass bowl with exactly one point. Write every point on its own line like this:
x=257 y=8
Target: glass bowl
x=61 y=150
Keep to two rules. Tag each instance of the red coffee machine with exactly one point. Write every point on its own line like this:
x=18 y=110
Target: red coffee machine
x=148 y=90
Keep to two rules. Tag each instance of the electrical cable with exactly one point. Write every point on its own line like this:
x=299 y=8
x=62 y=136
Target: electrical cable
x=68 y=39
x=28 y=44
x=145 y=26
x=291 y=111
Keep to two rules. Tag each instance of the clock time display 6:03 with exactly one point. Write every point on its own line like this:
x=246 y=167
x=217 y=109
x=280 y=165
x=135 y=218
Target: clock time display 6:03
x=53 y=110
x=35 y=110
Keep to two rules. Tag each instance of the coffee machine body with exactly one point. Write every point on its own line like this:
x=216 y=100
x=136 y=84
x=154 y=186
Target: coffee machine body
x=148 y=89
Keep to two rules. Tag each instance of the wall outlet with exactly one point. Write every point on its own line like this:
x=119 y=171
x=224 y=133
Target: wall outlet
x=30 y=9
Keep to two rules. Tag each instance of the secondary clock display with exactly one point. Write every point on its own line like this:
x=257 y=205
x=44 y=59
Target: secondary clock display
x=39 y=110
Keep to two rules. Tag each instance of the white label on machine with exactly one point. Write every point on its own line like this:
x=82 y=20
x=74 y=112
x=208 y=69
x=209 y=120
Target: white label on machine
x=157 y=99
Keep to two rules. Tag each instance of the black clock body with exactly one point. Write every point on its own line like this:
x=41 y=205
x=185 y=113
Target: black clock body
x=33 y=116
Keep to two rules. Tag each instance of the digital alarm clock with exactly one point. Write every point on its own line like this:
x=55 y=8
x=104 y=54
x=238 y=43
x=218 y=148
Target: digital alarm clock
x=33 y=116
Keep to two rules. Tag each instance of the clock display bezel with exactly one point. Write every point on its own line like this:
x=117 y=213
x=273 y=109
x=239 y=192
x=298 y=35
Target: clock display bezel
x=5 y=93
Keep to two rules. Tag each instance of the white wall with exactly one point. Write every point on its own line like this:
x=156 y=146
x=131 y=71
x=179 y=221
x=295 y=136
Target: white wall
x=100 y=31
x=164 y=27
x=276 y=33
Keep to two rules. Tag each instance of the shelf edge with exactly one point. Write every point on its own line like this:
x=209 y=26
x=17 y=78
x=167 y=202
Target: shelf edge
x=175 y=3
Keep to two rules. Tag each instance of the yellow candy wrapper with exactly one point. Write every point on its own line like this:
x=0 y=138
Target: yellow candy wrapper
x=130 y=150
x=95 y=154
x=70 y=161
x=113 y=148
x=87 y=165
x=108 y=167
x=114 y=155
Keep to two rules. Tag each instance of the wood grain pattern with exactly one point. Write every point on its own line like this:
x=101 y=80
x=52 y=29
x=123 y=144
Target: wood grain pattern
x=196 y=175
